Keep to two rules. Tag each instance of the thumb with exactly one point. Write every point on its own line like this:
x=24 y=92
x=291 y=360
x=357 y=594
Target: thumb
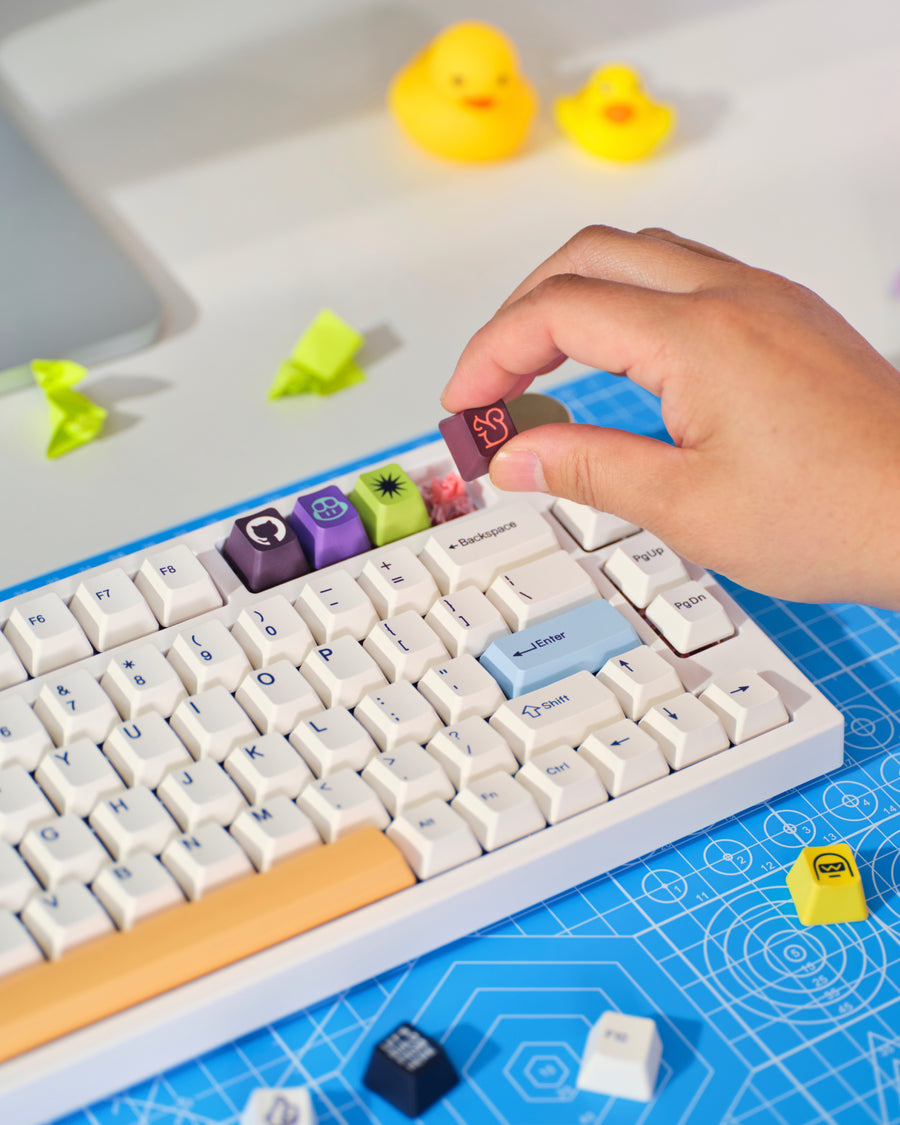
x=629 y=475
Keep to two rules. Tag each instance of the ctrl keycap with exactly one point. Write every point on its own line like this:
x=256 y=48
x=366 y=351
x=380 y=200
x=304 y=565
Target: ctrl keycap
x=410 y=1070
x=264 y=550
x=621 y=1058
x=826 y=887
x=287 y=1105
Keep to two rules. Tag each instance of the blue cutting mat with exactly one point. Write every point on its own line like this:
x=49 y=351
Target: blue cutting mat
x=763 y=1022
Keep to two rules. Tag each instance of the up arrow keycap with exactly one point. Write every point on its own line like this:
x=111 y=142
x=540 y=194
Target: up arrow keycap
x=581 y=639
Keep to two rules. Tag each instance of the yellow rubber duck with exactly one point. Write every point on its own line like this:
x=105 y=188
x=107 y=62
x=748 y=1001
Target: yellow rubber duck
x=463 y=96
x=612 y=116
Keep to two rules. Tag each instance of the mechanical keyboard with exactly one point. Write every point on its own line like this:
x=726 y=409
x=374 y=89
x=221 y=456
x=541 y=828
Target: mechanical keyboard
x=253 y=764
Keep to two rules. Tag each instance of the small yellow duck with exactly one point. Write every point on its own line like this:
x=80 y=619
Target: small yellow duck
x=612 y=116
x=463 y=96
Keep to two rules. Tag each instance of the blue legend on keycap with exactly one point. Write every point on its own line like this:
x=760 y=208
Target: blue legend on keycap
x=581 y=639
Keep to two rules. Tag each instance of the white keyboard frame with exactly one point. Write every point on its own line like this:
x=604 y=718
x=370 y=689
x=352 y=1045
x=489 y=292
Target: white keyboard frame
x=151 y=1037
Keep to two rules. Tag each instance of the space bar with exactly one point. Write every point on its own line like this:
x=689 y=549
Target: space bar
x=115 y=972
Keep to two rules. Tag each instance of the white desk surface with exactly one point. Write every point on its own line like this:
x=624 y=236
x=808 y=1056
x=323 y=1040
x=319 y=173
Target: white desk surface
x=244 y=153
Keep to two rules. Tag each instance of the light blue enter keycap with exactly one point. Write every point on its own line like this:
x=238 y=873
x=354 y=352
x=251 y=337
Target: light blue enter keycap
x=577 y=640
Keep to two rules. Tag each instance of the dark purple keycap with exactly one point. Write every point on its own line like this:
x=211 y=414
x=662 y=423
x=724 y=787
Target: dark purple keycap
x=328 y=527
x=264 y=550
x=475 y=435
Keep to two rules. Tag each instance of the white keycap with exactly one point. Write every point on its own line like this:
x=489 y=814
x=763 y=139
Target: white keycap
x=22 y=804
x=643 y=566
x=176 y=585
x=397 y=713
x=395 y=580
x=536 y=590
x=342 y=672
x=498 y=810
x=686 y=730
x=405 y=776
x=466 y=621
x=689 y=617
x=212 y=724
x=747 y=705
x=474 y=549
x=77 y=776
x=73 y=705
x=23 y=738
x=12 y=670
x=562 y=783
x=561 y=714
x=589 y=528
x=207 y=657
x=433 y=838
x=144 y=750
x=18 y=948
x=640 y=678
x=404 y=647
x=471 y=748
x=272 y=630
x=340 y=804
x=141 y=681
x=334 y=605
x=136 y=889
x=133 y=821
x=111 y=610
x=460 y=688
x=61 y=850
x=288 y=1105
x=17 y=882
x=206 y=858
x=201 y=793
x=45 y=634
x=624 y=756
x=277 y=697
x=266 y=767
x=332 y=740
x=66 y=917
x=621 y=1058
x=273 y=831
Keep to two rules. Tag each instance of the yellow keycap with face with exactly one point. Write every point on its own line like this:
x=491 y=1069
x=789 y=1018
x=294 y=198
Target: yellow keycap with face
x=826 y=886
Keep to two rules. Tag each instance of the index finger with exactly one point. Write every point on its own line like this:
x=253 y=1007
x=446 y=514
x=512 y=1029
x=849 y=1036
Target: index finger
x=652 y=259
x=599 y=323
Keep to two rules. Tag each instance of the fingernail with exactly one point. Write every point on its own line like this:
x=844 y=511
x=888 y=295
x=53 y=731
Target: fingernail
x=518 y=470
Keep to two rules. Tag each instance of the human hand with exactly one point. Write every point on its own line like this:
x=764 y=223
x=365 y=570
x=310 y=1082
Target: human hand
x=785 y=469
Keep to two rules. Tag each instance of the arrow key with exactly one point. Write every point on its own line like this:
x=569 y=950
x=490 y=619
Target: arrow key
x=686 y=730
x=640 y=678
x=746 y=704
x=625 y=756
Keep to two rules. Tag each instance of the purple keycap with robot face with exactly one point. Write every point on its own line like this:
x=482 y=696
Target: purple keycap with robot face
x=264 y=550
x=328 y=526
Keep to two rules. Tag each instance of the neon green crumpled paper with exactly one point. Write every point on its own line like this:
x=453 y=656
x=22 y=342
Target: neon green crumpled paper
x=322 y=360
x=74 y=419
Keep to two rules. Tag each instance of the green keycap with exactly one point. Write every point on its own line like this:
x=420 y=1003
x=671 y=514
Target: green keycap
x=389 y=504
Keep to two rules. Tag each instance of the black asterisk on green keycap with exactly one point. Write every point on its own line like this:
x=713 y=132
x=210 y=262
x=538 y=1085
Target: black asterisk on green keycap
x=388 y=486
